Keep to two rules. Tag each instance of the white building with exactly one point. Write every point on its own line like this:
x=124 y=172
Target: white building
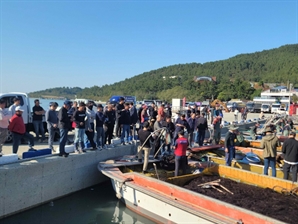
x=280 y=93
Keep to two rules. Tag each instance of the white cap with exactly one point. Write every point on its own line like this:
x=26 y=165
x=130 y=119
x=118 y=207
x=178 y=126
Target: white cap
x=19 y=108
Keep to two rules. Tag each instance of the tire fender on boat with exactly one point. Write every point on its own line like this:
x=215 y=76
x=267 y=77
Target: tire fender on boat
x=118 y=194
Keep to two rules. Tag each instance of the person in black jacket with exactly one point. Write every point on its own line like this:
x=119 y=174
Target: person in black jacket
x=109 y=123
x=125 y=122
x=202 y=126
x=180 y=124
x=119 y=110
x=290 y=151
x=170 y=129
x=133 y=118
x=230 y=144
x=80 y=117
x=64 y=126
x=100 y=119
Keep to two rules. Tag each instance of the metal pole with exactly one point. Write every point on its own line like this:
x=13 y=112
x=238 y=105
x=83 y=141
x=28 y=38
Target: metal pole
x=289 y=98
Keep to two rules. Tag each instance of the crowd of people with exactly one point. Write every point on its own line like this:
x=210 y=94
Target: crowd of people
x=269 y=143
x=111 y=121
x=179 y=134
x=158 y=132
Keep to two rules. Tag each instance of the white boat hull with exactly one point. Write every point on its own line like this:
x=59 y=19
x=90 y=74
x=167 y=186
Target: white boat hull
x=153 y=208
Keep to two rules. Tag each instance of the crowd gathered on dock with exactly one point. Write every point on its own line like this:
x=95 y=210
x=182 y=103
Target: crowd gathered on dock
x=160 y=133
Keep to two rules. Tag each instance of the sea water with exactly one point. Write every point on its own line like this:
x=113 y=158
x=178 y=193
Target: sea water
x=94 y=205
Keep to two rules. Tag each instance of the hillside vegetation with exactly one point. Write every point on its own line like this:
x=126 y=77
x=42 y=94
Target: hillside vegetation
x=233 y=77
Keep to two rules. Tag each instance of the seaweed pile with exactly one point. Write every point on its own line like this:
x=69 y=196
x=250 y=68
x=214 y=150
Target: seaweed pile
x=264 y=201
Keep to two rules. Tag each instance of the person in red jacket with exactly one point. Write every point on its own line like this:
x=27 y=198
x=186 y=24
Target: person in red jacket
x=161 y=112
x=18 y=130
x=181 y=145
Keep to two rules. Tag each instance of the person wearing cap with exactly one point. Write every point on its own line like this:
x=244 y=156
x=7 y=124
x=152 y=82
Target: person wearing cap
x=18 y=130
x=125 y=122
x=290 y=151
x=180 y=124
x=119 y=109
x=89 y=135
x=269 y=143
x=80 y=118
x=286 y=129
x=253 y=131
x=109 y=123
x=230 y=144
x=196 y=109
x=12 y=108
x=52 y=123
x=202 y=126
x=4 y=121
x=38 y=112
x=64 y=125
x=71 y=110
x=193 y=123
x=181 y=145
x=145 y=139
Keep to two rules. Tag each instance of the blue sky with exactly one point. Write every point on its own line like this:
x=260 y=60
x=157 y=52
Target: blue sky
x=46 y=44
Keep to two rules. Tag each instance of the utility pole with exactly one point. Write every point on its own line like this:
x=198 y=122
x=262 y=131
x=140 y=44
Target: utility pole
x=290 y=87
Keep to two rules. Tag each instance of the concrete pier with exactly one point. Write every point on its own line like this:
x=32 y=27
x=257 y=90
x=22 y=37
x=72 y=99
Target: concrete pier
x=32 y=182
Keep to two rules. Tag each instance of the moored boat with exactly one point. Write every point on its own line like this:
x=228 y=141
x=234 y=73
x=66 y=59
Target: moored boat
x=256 y=151
x=167 y=203
x=205 y=148
x=257 y=143
x=251 y=167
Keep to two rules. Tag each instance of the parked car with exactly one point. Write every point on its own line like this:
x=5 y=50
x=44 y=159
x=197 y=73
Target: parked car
x=27 y=114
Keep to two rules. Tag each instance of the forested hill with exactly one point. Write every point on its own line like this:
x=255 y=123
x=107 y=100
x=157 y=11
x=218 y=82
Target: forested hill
x=233 y=77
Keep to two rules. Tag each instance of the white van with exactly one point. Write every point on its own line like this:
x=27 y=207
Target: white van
x=275 y=107
x=266 y=108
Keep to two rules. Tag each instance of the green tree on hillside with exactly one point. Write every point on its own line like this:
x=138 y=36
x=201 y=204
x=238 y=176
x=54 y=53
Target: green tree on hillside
x=233 y=76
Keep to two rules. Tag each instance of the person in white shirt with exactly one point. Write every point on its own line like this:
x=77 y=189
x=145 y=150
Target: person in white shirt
x=236 y=112
x=12 y=108
x=4 y=119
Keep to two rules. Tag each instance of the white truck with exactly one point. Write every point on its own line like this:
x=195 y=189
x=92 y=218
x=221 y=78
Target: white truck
x=177 y=105
x=275 y=107
x=25 y=103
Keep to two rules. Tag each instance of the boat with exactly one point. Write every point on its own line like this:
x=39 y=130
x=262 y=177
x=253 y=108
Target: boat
x=257 y=144
x=254 y=144
x=205 y=148
x=252 y=167
x=256 y=151
x=165 y=202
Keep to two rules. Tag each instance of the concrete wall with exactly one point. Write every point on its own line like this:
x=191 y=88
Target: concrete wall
x=29 y=183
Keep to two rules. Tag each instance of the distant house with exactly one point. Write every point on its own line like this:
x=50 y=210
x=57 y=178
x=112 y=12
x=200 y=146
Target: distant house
x=171 y=77
x=204 y=78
